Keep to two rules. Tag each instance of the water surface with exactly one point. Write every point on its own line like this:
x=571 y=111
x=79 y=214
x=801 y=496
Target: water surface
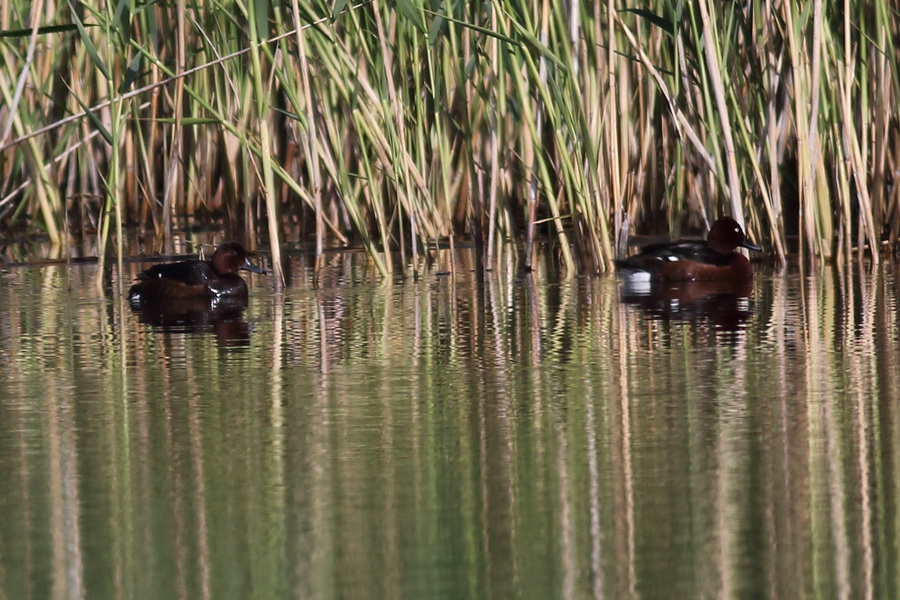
x=442 y=438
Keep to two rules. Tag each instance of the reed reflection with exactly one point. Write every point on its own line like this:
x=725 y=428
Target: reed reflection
x=454 y=438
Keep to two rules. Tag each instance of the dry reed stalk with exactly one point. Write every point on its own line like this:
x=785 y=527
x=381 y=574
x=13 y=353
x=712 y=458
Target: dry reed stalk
x=715 y=76
x=48 y=201
x=806 y=172
x=311 y=144
x=174 y=176
x=774 y=59
x=262 y=94
x=852 y=150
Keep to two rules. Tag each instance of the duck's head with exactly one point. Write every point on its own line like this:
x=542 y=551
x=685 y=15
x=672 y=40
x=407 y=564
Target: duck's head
x=726 y=235
x=231 y=257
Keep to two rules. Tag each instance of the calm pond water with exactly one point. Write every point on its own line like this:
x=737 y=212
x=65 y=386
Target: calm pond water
x=445 y=439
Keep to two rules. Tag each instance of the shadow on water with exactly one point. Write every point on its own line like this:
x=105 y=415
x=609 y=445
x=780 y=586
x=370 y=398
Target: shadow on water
x=449 y=438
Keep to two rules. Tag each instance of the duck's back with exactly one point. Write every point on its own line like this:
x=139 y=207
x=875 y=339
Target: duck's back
x=185 y=279
x=188 y=272
x=695 y=250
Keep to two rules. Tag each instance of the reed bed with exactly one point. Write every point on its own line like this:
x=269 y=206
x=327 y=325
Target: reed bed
x=398 y=125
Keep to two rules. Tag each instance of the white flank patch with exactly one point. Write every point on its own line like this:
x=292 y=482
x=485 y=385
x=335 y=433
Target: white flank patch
x=638 y=277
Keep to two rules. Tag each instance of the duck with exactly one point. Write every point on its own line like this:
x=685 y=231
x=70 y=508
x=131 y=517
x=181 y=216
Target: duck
x=714 y=259
x=196 y=279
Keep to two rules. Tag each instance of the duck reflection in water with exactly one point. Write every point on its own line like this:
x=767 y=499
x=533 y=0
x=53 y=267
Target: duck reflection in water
x=223 y=317
x=723 y=304
x=198 y=296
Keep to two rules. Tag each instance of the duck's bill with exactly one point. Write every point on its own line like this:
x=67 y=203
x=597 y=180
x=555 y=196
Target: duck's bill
x=249 y=266
x=750 y=246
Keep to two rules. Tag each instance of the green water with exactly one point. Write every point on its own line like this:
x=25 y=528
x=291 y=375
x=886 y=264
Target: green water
x=444 y=439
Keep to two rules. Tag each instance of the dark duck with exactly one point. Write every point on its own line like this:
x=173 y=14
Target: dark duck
x=714 y=259
x=196 y=279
